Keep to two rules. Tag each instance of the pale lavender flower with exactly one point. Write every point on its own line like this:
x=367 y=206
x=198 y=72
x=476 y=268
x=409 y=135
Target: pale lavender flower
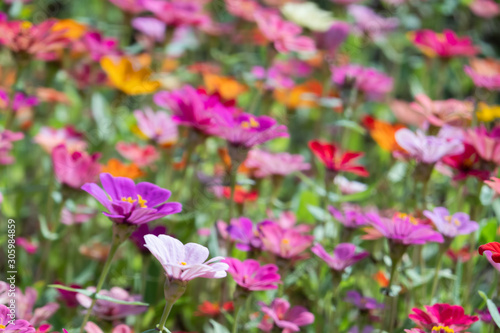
x=157 y=126
x=151 y=27
x=427 y=149
x=370 y=23
x=344 y=255
x=449 y=225
x=244 y=233
x=347 y=186
x=184 y=262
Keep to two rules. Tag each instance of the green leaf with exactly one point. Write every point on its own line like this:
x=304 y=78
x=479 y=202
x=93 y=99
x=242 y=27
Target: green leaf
x=80 y=291
x=218 y=328
x=46 y=233
x=492 y=308
x=118 y=301
x=488 y=232
x=351 y=125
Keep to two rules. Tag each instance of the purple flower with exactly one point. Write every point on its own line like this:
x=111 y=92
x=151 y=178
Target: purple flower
x=344 y=255
x=281 y=315
x=451 y=226
x=362 y=303
x=150 y=27
x=265 y=164
x=184 y=262
x=370 y=23
x=427 y=149
x=285 y=243
x=351 y=216
x=129 y=203
x=108 y=310
x=98 y=46
x=75 y=168
x=17 y=326
x=6 y=139
x=137 y=237
x=331 y=39
x=250 y=275
x=403 y=229
x=372 y=83
x=158 y=126
x=244 y=233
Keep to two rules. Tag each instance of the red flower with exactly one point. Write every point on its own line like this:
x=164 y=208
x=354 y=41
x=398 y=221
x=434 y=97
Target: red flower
x=213 y=309
x=443 y=315
x=240 y=195
x=494 y=247
x=466 y=164
x=336 y=160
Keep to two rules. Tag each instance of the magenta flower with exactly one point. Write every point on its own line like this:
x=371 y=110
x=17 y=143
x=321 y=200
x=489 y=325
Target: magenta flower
x=137 y=237
x=427 y=149
x=184 y=262
x=285 y=243
x=75 y=168
x=129 y=203
x=443 y=45
x=99 y=46
x=452 y=316
x=403 y=229
x=112 y=311
x=158 y=126
x=372 y=83
x=351 y=216
x=486 y=143
x=244 y=233
x=331 y=39
x=49 y=138
x=284 y=34
x=246 y=130
x=284 y=317
x=140 y=155
x=16 y=326
x=250 y=275
x=19 y=101
x=151 y=27
x=369 y=23
x=344 y=255
x=130 y=6
x=449 y=225
x=6 y=139
x=177 y=12
x=265 y=164
x=91 y=327
x=362 y=303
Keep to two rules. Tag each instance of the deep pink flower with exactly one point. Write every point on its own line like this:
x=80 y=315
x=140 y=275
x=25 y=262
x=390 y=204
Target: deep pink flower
x=344 y=255
x=452 y=316
x=18 y=326
x=372 y=83
x=140 y=155
x=157 y=126
x=184 y=262
x=486 y=143
x=244 y=233
x=99 y=46
x=285 y=243
x=49 y=138
x=284 y=34
x=6 y=139
x=265 y=164
x=178 y=12
x=444 y=45
x=108 y=310
x=27 y=245
x=467 y=164
x=69 y=297
x=250 y=275
x=19 y=101
x=131 y=203
x=75 y=168
x=284 y=317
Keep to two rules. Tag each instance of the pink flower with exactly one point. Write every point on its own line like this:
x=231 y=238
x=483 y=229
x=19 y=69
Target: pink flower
x=90 y=327
x=19 y=101
x=75 y=168
x=81 y=214
x=485 y=8
x=494 y=183
x=150 y=27
x=158 y=126
x=6 y=139
x=427 y=149
x=141 y=156
x=178 y=12
x=244 y=9
x=351 y=216
x=444 y=45
x=184 y=262
x=452 y=316
x=265 y=164
x=486 y=143
x=13 y=326
x=439 y=113
x=49 y=138
x=131 y=6
x=108 y=310
x=25 y=303
x=288 y=220
x=250 y=275
x=370 y=23
x=372 y=83
x=405 y=114
x=285 y=243
x=272 y=77
x=99 y=46
x=242 y=231
x=27 y=245
x=344 y=255
x=286 y=318
x=284 y=34
x=484 y=72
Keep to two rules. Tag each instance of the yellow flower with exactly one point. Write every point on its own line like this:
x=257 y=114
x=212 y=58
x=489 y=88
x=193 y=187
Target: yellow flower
x=130 y=80
x=72 y=29
x=487 y=113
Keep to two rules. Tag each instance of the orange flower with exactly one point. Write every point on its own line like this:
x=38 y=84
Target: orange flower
x=52 y=96
x=209 y=309
x=119 y=169
x=300 y=95
x=72 y=30
x=227 y=87
x=381 y=278
x=226 y=160
x=383 y=133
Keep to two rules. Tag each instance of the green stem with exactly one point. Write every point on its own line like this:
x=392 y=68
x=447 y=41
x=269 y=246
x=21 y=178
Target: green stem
x=436 y=275
x=237 y=312
x=232 y=184
x=164 y=316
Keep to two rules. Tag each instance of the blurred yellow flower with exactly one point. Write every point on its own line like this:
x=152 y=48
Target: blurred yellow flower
x=130 y=80
x=487 y=113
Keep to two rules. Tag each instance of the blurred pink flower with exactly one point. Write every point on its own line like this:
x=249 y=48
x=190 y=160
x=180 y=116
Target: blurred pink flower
x=49 y=138
x=484 y=72
x=486 y=143
x=90 y=327
x=272 y=77
x=140 y=155
x=25 y=303
x=29 y=246
x=250 y=275
x=494 y=183
x=344 y=255
x=108 y=310
x=75 y=168
x=150 y=27
x=11 y=325
x=288 y=220
x=244 y=9
x=18 y=102
x=81 y=214
x=157 y=126
x=99 y=46
x=369 y=23
x=350 y=215
x=372 y=83
x=6 y=139
x=284 y=34
x=452 y=316
x=403 y=112
x=131 y=6
x=265 y=164
x=444 y=45
x=283 y=316
x=177 y=12
x=485 y=8
x=438 y=113
x=331 y=39
x=285 y=243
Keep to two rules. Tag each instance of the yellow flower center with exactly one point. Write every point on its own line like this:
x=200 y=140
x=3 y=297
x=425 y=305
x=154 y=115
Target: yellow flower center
x=410 y=218
x=441 y=329
x=129 y=199
x=449 y=219
x=252 y=123
x=2 y=327
x=285 y=241
x=183 y=263
x=141 y=201
x=26 y=25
